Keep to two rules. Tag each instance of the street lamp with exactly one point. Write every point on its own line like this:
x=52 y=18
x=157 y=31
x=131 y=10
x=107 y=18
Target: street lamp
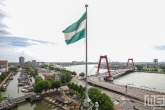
x=96 y=105
x=155 y=89
x=126 y=87
x=87 y=105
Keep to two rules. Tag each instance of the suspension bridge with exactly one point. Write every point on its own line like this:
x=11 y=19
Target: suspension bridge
x=99 y=81
x=109 y=74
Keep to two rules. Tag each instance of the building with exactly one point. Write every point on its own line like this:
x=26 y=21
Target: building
x=74 y=62
x=44 y=74
x=21 y=61
x=3 y=66
x=155 y=61
x=34 y=63
x=28 y=63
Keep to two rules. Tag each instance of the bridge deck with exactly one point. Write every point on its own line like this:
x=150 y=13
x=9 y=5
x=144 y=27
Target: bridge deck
x=133 y=92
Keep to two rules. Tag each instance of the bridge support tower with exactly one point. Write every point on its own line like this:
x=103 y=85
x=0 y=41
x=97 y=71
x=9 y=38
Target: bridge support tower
x=132 y=63
x=110 y=76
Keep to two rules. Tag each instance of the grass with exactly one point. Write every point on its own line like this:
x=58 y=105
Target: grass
x=75 y=81
x=160 y=70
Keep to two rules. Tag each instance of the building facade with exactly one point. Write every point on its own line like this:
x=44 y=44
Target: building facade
x=28 y=63
x=21 y=61
x=34 y=63
x=3 y=65
x=44 y=74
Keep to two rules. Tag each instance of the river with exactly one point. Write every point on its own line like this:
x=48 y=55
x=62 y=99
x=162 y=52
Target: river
x=150 y=81
x=14 y=91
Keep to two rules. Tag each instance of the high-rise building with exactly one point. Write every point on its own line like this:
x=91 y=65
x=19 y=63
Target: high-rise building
x=21 y=61
x=34 y=63
x=155 y=61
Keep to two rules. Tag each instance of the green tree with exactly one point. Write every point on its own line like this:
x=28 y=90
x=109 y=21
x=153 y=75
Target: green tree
x=51 y=81
x=103 y=99
x=68 y=77
x=37 y=79
x=105 y=102
x=51 y=68
x=57 y=69
x=38 y=88
x=80 y=90
x=63 y=78
x=46 y=85
x=56 y=84
x=74 y=73
x=15 y=68
x=75 y=87
x=1 y=98
x=82 y=74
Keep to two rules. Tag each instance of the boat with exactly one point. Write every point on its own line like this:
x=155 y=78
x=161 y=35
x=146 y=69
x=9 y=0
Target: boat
x=24 y=90
x=21 y=84
x=11 y=78
x=4 y=87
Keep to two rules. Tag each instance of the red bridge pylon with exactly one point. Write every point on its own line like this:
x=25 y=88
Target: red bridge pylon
x=108 y=66
x=132 y=63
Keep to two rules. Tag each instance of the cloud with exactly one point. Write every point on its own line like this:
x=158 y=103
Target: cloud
x=1 y=2
x=162 y=47
x=3 y=26
x=4 y=32
x=12 y=48
x=20 y=42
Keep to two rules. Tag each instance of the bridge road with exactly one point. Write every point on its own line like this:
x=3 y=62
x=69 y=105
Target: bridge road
x=118 y=99
x=137 y=93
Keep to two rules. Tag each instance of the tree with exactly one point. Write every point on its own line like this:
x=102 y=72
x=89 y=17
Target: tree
x=51 y=81
x=82 y=74
x=75 y=87
x=80 y=90
x=56 y=84
x=51 y=68
x=38 y=88
x=1 y=98
x=74 y=73
x=68 y=77
x=15 y=68
x=37 y=79
x=57 y=69
x=46 y=85
x=63 y=78
x=103 y=99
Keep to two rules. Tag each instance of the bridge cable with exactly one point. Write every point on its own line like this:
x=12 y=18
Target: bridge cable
x=93 y=68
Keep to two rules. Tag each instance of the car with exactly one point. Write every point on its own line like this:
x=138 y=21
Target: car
x=65 y=101
x=37 y=96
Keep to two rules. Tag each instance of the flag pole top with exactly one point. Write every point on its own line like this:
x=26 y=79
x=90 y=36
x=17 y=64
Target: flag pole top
x=86 y=5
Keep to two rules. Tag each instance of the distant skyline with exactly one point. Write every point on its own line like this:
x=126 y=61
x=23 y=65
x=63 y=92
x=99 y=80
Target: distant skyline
x=119 y=29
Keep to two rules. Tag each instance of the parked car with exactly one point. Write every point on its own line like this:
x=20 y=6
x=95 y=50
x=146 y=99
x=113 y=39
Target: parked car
x=24 y=90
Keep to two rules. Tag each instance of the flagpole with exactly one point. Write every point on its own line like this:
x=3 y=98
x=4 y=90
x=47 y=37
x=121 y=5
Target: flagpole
x=86 y=69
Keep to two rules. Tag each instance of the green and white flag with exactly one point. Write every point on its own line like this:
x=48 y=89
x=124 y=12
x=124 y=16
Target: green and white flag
x=76 y=31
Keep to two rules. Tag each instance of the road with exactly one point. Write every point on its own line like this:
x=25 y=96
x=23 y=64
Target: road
x=132 y=92
x=126 y=103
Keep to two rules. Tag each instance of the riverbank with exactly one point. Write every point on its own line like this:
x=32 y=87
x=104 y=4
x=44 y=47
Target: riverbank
x=5 y=79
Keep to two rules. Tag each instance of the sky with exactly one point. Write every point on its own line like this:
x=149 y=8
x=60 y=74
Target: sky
x=120 y=29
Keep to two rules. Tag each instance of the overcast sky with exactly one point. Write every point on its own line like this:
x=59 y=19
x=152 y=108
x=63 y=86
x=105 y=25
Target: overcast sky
x=120 y=29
